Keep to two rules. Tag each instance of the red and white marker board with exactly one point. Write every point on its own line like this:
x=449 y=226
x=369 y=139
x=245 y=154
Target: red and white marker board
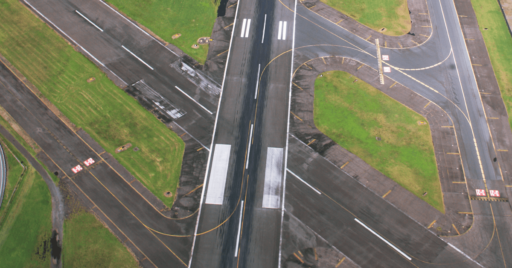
x=494 y=193
x=385 y=57
x=386 y=69
x=88 y=162
x=77 y=169
x=480 y=192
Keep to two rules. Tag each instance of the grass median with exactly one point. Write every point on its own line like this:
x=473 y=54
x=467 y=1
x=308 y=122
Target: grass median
x=192 y=19
x=354 y=114
x=377 y=14
x=107 y=113
x=499 y=45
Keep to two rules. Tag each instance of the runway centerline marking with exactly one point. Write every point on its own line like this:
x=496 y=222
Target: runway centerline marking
x=239 y=228
x=193 y=99
x=295 y=175
x=149 y=66
x=264 y=25
x=382 y=238
x=88 y=20
x=249 y=150
x=257 y=82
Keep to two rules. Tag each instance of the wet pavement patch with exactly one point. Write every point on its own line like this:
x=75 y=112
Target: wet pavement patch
x=55 y=246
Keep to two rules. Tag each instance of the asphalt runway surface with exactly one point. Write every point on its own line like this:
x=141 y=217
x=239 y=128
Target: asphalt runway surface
x=253 y=233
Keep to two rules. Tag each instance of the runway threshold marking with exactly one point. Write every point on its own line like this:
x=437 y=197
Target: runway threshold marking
x=239 y=228
x=204 y=108
x=295 y=175
x=340 y=262
x=386 y=194
x=88 y=20
x=246 y=25
x=149 y=66
x=382 y=238
x=431 y=224
x=281 y=33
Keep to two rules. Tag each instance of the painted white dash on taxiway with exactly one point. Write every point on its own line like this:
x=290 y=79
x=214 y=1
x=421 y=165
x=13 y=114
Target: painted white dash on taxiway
x=193 y=99
x=249 y=150
x=264 y=25
x=244 y=22
x=385 y=241
x=273 y=175
x=88 y=20
x=280 y=30
x=138 y=58
x=284 y=30
x=248 y=27
x=257 y=82
x=295 y=175
x=218 y=174
x=239 y=228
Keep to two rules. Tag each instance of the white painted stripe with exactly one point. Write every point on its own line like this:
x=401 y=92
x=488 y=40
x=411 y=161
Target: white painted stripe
x=465 y=255
x=264 y=25
x=273 y=175
x=287 y=133
x=249 y=150
x=248 y=27
x=257 y=82
x=284 y=30
x=381 y=238
x=213 y=139
x=138 y=58
x=243 y=27
x=239 y=228
x=81 y=15
x=280 y=30
x=318 y=192
x=218 y=174
x=193 y=99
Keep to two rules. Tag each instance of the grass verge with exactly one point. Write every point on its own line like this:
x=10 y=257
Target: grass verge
x=107 y=113
x=499 y=45
x=377 y=14
x=87 y=243
x=193 y=19
x=25 y=223
x=354 y=114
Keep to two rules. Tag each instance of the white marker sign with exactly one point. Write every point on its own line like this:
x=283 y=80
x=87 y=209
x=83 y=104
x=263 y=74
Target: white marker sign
x=385 y=57
x=494 y=193
x=77 y=169
x=480 y=192
x=386 y=69
x=89 y=162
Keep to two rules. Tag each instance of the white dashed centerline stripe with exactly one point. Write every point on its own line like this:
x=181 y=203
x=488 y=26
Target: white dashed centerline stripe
x=81 y=15
x=239 y=228
x=381 y=238
x=295 y=175
x=284 y=30
x=264 y=25
x=193 y=99
x=248 y=27
x=257 y=82
x=138 y=58
x=279 y=31
x=249 y=150
x=243 y=27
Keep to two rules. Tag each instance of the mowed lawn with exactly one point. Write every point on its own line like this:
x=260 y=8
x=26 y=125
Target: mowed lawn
x=107 y=113
x=192 y=19
x=354 y=114
x=499 y=45
x=87 y=243
x=377 y=14
x=25 y=222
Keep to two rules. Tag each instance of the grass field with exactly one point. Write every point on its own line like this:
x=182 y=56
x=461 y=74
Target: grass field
x=193 y=19
x=15 y=169
x=499 y=45
x=25 y=224
x=354 y=114
x=377 y=14
x=87 y=243
x=106 y=112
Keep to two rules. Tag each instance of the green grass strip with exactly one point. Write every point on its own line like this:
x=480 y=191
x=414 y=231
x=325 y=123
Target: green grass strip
x=191 y=18
x=107 y=113
x=354 y=114
x=499 y=45
x=377 y=14
x=87 y=243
